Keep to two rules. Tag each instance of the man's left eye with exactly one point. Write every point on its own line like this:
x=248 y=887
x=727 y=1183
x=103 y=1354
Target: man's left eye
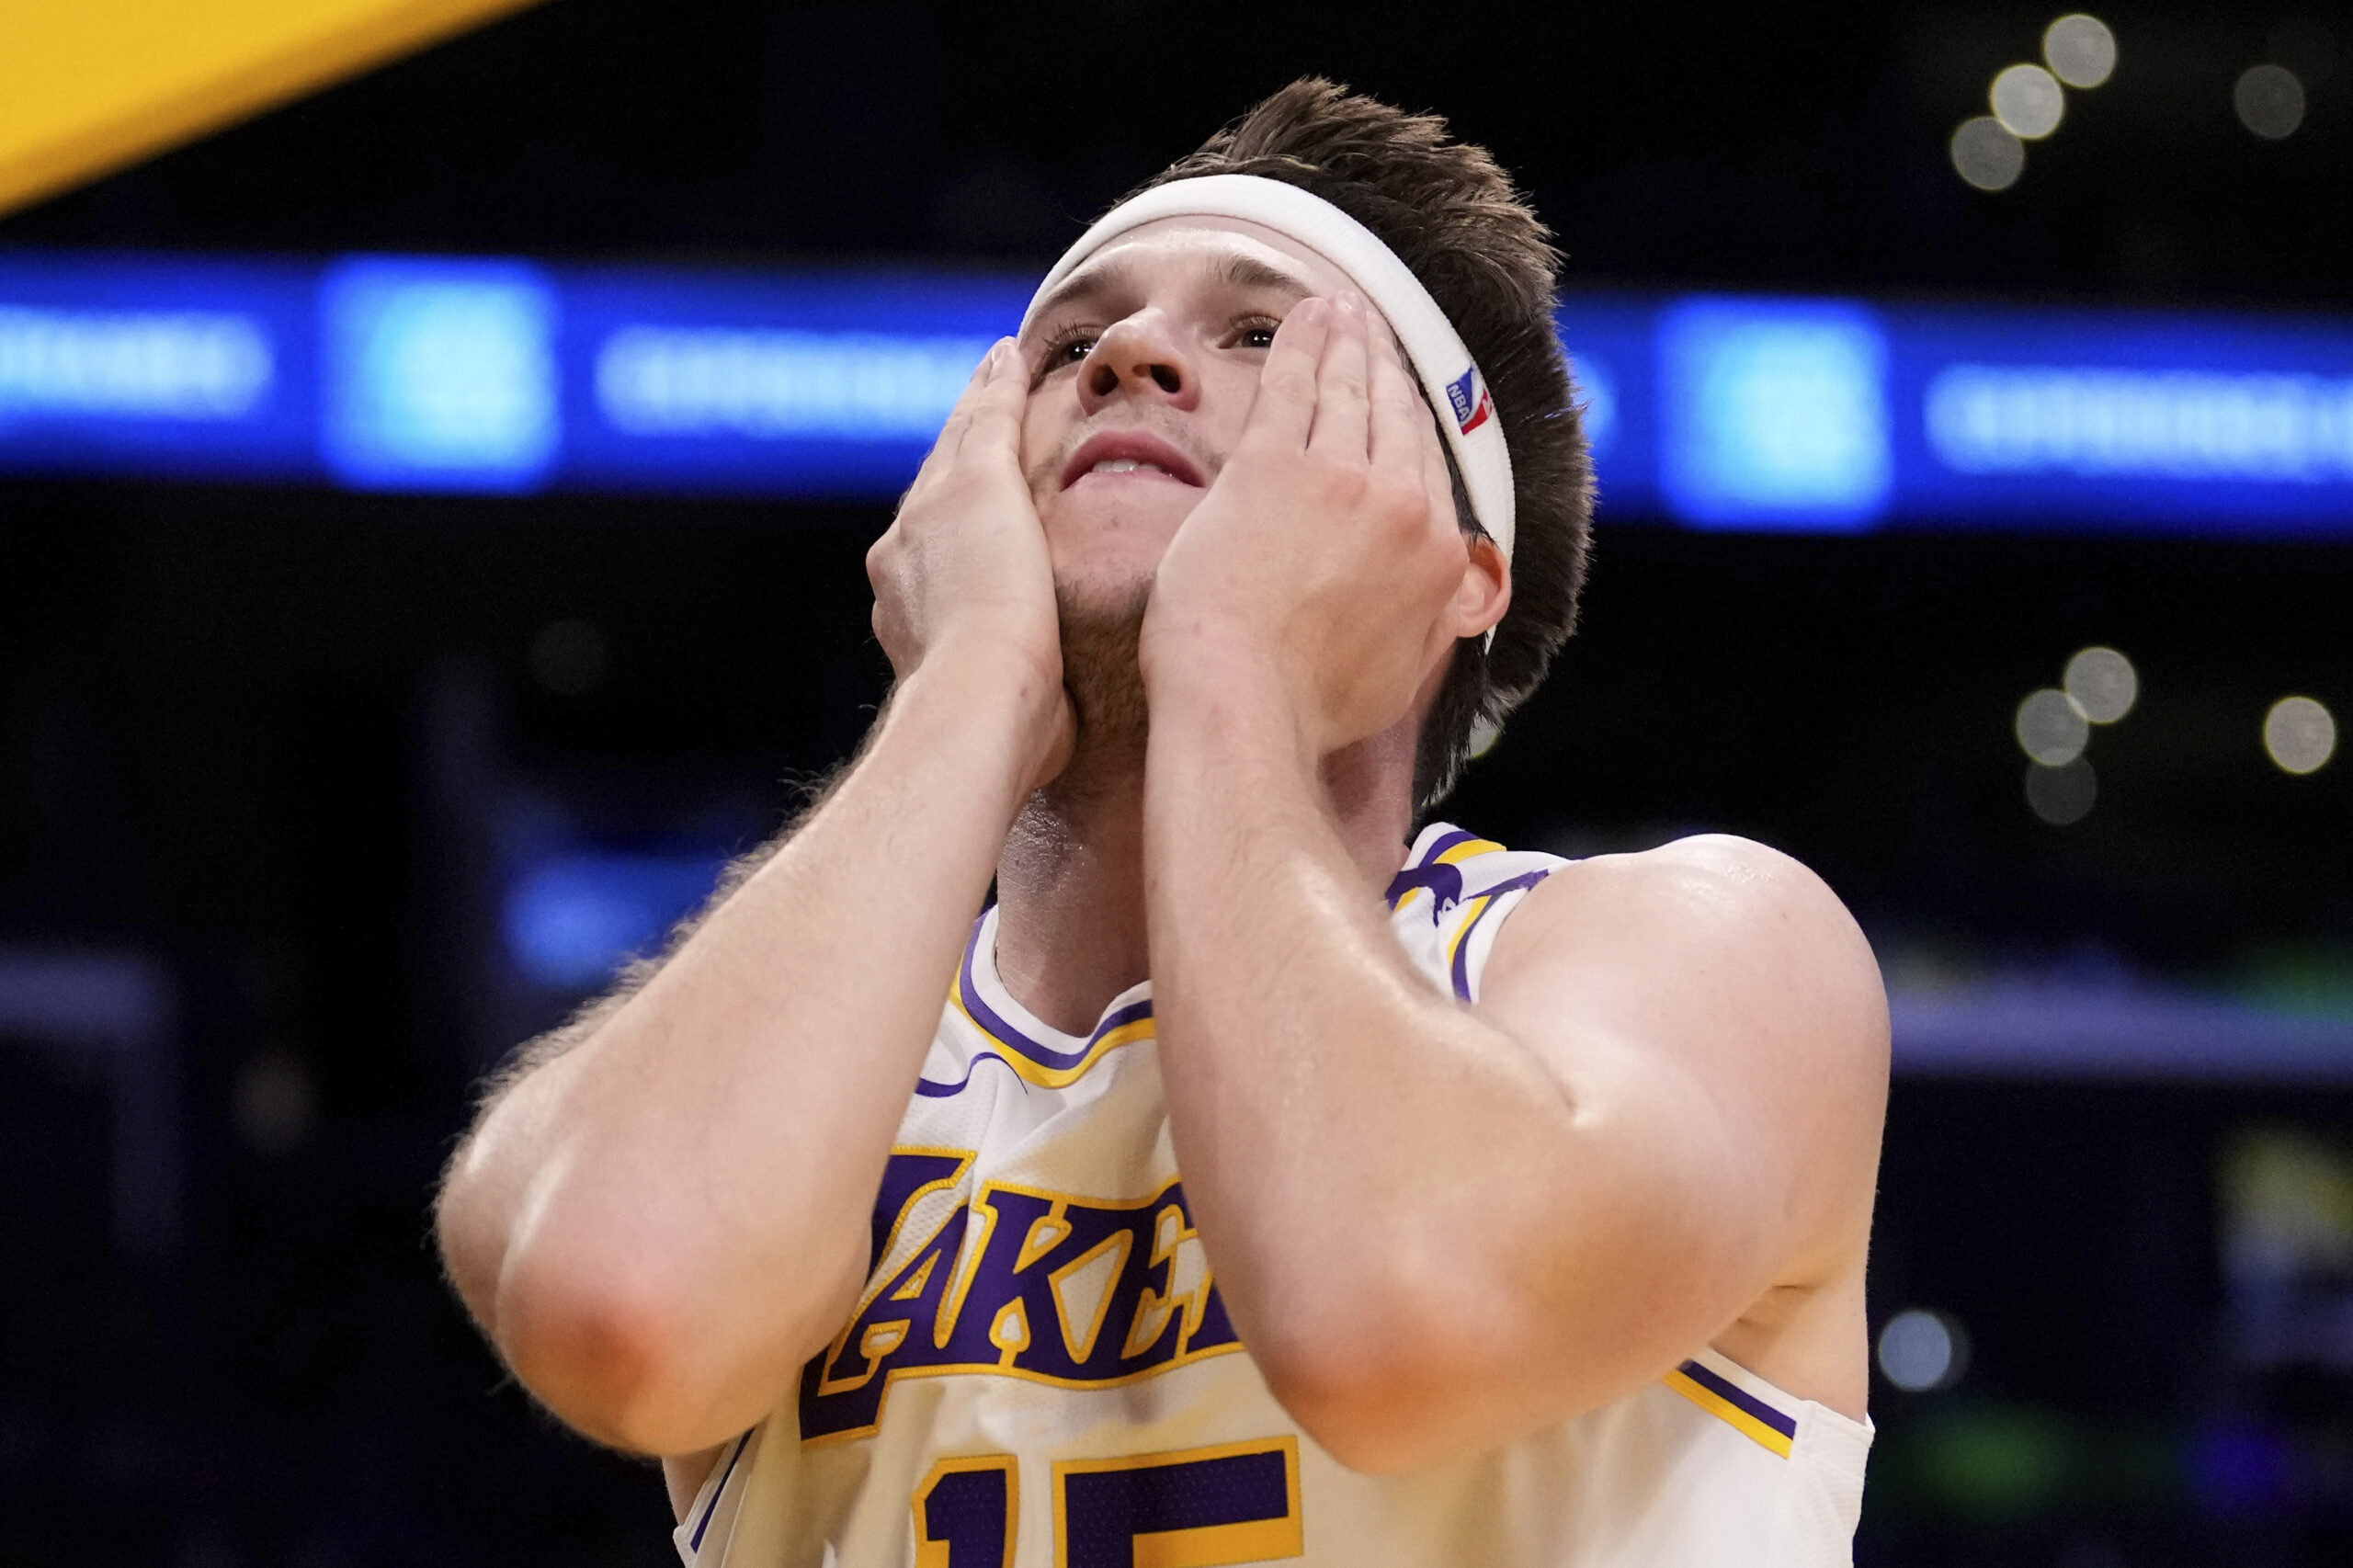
x=1066 y=350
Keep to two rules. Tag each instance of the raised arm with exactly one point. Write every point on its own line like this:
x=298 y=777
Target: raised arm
x=657 y=1222
x=1440 y=1227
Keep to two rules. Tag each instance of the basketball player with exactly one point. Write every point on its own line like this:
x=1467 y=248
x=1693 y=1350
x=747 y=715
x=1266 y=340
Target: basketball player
x=1258 y=1179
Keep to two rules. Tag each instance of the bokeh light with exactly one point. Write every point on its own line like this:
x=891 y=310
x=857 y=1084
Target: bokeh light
x=2103 y=684
x=2080 y=50
x=2062 y=796
x=1987 y=156
x=2270 y=101
x=2300 y=733
x=2029 y=101
x=1920 y=1350
x=2051 y=728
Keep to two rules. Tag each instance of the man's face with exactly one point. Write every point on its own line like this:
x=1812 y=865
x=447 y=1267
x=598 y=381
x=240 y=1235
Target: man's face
x=1144 y=365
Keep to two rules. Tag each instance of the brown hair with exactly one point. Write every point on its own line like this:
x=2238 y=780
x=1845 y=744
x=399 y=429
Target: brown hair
x=1451 y=215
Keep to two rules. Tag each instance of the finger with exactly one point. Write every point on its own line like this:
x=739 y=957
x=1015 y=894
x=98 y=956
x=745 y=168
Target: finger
x=1285 y=409
x=1340 y=394
x=1401 y=420
x=959 y=418
x=998 y=405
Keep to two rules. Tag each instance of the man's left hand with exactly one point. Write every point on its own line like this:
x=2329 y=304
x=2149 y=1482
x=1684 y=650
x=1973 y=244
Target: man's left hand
x=1325 y=563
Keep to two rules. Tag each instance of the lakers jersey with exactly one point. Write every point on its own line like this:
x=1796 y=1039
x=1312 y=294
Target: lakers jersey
x=1040 y=1373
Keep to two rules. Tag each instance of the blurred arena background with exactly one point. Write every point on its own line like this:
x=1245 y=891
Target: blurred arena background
x=431 y=521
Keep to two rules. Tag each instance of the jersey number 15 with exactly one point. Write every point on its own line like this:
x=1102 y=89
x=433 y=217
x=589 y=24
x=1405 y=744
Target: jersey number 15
x=1192 y=1509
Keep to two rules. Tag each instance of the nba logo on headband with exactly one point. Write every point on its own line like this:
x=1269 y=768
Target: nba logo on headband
x=1471 y=404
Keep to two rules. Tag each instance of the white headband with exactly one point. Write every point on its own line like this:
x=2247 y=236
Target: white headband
x=1448 y=375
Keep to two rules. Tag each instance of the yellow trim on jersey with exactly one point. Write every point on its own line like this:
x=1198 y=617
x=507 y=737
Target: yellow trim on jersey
x=932 y=1552
x=1038 y=1073
x=977 y=1232
x=878 y=1277
x=1461 y=852
x=913 y=1289
x=1079 y=1338
x=1010 y=1332
x=1047 y=1232
x=1731 y=1414
x=895 y=1375
x=1471 y=911
x=1203 y=1546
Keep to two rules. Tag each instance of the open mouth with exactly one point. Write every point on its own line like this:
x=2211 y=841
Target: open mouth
x=1116 y=454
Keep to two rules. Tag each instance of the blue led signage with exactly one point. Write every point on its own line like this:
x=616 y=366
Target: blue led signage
x=440 y=375
x=814 y=385
x=130 y=365
x=1772 y=414
x=2166 y=420
x=1719 y=412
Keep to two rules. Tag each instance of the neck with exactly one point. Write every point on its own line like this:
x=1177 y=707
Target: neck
x=1071 y=933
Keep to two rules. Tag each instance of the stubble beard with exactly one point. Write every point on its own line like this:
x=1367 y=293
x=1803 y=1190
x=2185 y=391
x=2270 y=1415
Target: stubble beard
x=1102 y=627
x=1101 y=672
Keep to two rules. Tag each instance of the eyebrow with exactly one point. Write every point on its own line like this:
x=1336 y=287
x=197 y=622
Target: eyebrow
x=1249 y=272
x=1233 y=271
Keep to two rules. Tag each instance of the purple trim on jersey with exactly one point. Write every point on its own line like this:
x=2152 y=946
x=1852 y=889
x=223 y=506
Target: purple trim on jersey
x=718 y=1491
x=1445 y=883
x=996 y=1026
x=1423 y=871
x=1442 y=843
x=1740 y=1399
x=983 y=1014
x=932 y=1089
x=1462 y=943
x=1045 y=1056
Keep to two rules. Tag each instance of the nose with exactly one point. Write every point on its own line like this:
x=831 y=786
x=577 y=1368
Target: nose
x=1138 y=357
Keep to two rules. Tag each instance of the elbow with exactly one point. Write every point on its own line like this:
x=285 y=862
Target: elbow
x=1390 y=1378
x=469 y=1253
x=1365 y=1422
x=607 y=1355
x=1382 y=1392
x=631 y=1323
x=624 y=1347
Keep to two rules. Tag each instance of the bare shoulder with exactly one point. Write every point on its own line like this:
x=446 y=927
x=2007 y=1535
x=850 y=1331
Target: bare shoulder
x=1717 y=972
x=1724 y=882
x=1714 y=1000
x=1711 y=921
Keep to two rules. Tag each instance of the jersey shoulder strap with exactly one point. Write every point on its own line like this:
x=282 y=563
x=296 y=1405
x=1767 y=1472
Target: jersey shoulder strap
x=1454 y=895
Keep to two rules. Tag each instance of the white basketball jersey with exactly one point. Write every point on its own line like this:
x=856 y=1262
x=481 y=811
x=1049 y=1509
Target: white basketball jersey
x=1040 y=1373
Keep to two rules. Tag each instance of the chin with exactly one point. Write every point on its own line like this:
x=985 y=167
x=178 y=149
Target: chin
x=1099 y=595
x=1105 y=555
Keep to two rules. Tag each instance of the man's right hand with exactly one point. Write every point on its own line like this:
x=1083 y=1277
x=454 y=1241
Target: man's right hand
x=964 y=567
x=667 y=1214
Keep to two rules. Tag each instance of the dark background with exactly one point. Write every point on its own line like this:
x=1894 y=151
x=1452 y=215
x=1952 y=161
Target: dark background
x=266 y=747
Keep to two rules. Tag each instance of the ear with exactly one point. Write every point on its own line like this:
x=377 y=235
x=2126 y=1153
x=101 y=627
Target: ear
x=1485 y=593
